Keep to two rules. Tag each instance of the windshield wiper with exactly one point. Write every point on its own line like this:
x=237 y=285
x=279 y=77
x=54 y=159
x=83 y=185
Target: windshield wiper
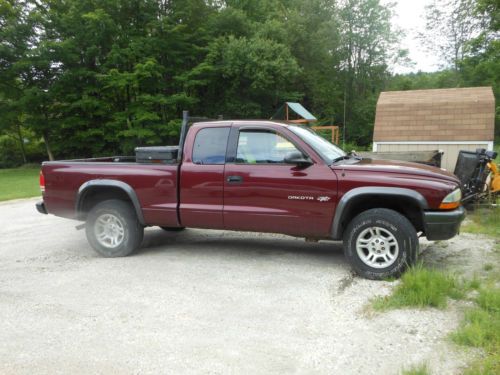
x=354 y=155
x=350 y=155
x=343 y=157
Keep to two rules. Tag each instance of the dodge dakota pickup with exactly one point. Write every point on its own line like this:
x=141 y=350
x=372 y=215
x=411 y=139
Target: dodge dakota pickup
x=261 y=176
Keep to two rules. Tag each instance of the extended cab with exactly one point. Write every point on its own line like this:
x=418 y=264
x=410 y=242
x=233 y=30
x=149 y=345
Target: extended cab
x=261 y=176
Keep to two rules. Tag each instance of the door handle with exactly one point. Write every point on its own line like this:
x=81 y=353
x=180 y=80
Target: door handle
x=234 y=179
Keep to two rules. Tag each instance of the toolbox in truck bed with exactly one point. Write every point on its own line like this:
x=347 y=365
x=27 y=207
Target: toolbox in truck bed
x=160 y=155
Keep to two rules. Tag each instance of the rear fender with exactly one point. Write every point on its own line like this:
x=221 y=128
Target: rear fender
x=91 y=185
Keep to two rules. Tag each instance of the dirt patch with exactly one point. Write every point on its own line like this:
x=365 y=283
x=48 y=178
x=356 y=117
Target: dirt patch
x=466 y=254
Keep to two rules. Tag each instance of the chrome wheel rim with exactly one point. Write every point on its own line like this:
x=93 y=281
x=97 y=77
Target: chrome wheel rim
x=377 y=247
x=109 y=231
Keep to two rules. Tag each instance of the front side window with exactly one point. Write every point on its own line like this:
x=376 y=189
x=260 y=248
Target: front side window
x=262 y=147
x=210 y=146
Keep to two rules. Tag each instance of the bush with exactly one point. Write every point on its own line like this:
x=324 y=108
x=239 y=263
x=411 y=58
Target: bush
x=10 y=154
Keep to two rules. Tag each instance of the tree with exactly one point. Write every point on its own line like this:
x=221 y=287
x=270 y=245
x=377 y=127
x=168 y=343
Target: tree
x=15 y=33
x=480 y=67
x=96 y=77
x=450 y=25
x=368 y=42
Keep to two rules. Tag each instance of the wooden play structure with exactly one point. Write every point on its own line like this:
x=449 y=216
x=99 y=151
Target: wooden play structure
x=334 y=129
x=296 y=113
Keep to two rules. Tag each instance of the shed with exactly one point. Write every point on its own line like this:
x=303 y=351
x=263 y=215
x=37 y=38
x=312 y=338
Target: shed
x=446 y=119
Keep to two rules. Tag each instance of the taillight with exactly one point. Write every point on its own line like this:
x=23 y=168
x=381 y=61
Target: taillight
x=42 y=182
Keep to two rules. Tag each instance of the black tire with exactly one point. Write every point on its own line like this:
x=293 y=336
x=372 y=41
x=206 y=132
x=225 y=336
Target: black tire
x=131 y=230
x=173 y=229
x=391 y=225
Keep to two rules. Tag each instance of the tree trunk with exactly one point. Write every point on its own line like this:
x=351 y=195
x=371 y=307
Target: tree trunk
x=21 y=142
x=45 y=136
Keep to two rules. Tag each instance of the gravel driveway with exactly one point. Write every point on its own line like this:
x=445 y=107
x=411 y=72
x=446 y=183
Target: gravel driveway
x=199 y=301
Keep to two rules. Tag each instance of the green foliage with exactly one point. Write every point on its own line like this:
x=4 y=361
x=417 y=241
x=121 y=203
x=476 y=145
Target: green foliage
x=421 y=369
x=481 y=329
x=365 y=52
x=422 y=287
x=252 y=76
x=483 y=221
x=91 y=77
x=450 y=26
x=10 y=155
x=96 y=77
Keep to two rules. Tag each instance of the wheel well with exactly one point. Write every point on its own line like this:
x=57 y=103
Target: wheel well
x=405 y=206
x=98 y=194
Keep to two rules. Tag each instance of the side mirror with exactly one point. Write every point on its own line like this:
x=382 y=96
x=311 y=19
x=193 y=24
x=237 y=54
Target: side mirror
x=297 y=158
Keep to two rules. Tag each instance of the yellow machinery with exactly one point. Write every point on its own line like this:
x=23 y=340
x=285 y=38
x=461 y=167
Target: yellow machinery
x=479 y=175
x=494 y=185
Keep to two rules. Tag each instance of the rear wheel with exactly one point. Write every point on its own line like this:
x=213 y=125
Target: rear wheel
x=380 y=243
x=112 y=228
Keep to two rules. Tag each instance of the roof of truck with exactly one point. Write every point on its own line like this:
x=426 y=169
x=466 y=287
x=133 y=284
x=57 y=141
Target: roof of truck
x=240 y=122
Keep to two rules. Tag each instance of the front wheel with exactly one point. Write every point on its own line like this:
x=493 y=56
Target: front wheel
x=112 y=229
x=380 y=243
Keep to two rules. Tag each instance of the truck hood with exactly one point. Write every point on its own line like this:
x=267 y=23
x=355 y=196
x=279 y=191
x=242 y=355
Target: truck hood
x=399 y=167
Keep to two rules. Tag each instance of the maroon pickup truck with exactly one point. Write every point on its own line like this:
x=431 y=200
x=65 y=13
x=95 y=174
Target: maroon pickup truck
x=261 y=176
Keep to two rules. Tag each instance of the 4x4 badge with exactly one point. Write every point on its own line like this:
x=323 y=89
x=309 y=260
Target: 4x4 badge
x=323 y=199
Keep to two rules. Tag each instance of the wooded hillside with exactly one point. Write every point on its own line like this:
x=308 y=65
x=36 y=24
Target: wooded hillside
x=82 y=78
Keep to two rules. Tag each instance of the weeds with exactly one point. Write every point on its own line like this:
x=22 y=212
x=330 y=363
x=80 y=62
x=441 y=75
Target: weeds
x=473 y=284
x=422 y=287
x=481 y=329
x=483 y=221
x=421 y=369
x=488 y=267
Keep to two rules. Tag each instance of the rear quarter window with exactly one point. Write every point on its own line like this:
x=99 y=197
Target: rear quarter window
x=210 y=146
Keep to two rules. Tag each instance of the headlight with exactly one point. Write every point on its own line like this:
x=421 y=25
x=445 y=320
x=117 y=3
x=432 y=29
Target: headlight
x=452 y=200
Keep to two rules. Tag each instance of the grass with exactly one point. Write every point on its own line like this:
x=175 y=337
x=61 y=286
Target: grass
x=481 y=329
x=488 y=267
x=19 y=183
x=473 y=284
x=483 y=221
x=422 y=287
x=421 y=369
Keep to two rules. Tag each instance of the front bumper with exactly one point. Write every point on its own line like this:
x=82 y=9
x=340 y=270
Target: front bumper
x=40 y=207
x=443 y=225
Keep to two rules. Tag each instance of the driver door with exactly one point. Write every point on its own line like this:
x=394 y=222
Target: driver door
x=263 y=193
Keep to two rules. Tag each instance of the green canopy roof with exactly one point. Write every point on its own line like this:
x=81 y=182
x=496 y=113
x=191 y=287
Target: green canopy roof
x=297 y=108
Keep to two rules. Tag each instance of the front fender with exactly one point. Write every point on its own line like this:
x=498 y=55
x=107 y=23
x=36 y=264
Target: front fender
x=349 y=198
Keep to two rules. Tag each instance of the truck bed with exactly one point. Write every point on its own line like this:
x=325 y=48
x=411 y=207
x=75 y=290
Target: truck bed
x=154 y=184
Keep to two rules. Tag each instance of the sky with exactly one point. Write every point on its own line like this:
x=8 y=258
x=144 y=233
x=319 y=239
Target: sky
x=409 y=16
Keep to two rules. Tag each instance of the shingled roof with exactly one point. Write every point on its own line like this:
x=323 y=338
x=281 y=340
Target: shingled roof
x=461 y=114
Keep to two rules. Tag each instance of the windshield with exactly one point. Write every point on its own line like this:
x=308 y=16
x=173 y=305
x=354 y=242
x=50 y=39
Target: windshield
x=325 y=149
